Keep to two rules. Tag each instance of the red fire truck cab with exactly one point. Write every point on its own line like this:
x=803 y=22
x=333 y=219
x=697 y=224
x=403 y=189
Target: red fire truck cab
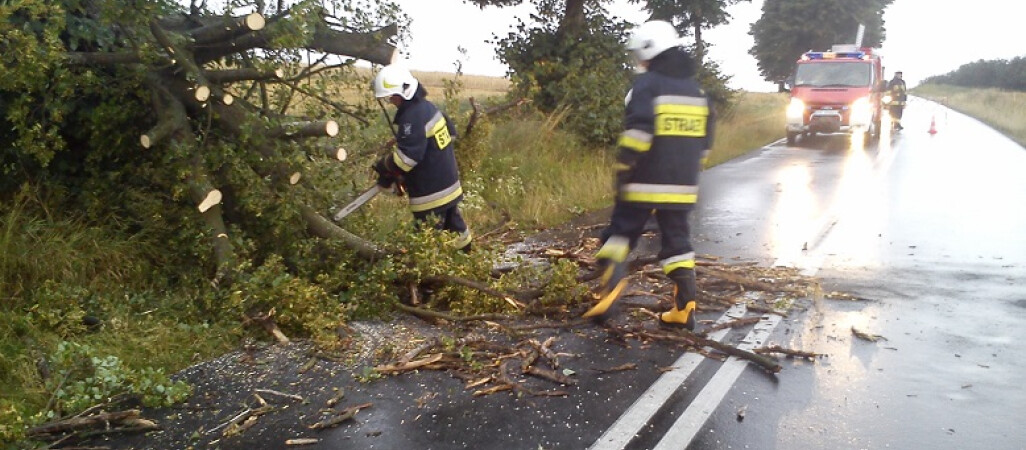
x=838 y=91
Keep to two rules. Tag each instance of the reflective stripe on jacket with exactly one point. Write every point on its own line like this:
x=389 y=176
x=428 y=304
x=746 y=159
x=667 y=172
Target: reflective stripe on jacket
x=424 y=152
x=668 y=129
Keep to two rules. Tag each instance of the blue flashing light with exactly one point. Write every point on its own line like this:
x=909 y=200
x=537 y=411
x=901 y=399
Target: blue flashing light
x=834 y=55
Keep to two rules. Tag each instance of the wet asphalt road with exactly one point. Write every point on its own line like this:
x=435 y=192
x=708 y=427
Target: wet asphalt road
x=928 y=231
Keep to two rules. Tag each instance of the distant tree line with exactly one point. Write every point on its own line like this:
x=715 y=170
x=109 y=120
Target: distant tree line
x=998 y=73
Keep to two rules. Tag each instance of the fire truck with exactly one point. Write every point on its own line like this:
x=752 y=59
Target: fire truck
x=837 y=91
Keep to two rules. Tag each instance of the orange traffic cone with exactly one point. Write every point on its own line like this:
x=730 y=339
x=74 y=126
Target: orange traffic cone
x=933 y=125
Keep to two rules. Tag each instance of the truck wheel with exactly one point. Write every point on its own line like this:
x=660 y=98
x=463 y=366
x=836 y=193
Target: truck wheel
x=791 y=137
x=874 y=131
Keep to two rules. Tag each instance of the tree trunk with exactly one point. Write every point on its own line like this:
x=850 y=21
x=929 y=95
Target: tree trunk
x=573 y=19
x=699 y=43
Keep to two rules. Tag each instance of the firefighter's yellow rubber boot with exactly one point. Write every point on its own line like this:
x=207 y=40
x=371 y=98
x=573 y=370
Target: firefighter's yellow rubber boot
x=684 y=306
x=680 y=318
x=611 y=285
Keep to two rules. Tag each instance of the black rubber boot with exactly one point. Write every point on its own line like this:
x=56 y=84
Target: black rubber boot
x=685 y=290
x=611 y=285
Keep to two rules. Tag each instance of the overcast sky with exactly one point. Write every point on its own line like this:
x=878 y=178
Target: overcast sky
x=924 y=37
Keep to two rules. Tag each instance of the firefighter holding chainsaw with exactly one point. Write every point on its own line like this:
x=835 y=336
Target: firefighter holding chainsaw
x=423 y=163
x=668 y=130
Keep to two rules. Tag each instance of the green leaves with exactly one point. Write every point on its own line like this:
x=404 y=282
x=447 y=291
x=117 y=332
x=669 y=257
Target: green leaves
x=788 y=28
x=583 y=71
x=83 y=379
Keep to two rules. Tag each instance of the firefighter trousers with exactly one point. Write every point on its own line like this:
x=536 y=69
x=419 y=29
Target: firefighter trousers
x=448 y=219
x=628 y=222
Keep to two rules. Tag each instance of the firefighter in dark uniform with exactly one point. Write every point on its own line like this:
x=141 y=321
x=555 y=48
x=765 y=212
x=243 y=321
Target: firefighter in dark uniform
x=899 y=95
x=423 y=162
x=668 y=131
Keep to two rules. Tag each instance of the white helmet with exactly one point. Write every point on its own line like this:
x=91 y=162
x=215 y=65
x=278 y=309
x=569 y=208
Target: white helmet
x=395 y=80
x=652 y=38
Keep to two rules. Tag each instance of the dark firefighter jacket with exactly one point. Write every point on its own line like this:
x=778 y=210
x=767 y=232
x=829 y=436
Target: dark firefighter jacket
x=668 y=130
x=898 y=91
x=424 y=155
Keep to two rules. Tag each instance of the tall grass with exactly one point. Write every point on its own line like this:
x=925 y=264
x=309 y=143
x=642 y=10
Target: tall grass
x=542 y=176
x=1003 y=110
x=34 y=248
x=755 y=120
x=56 y=271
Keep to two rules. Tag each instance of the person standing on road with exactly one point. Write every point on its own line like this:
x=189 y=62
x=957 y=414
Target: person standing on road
x=424 y=161
x=899 y=95
x=668 y=131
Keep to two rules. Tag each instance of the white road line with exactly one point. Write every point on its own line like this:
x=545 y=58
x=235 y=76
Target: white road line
x=690 y=423
x=698 y=411
x=638 y=415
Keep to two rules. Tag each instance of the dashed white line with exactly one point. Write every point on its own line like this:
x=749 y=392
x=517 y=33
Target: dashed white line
x=691 y=421
x=637 y=416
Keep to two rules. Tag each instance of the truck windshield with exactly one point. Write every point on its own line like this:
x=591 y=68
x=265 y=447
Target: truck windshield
x=833 y=74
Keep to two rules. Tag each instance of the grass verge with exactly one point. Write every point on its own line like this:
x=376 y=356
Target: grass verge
x=80 y=311
x=1005 y=111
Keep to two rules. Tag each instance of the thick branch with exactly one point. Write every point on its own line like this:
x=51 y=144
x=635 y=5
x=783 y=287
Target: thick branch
x=236 y=75
x=323 y=228
x=76 y=423
x=227 y=28
x=182 y=59
x=169 y=123
x=233 y=120
x=688 y=337
x=335 y=151
x=371 y=46
x=174 y=123
x=102 y=58
x=307 y=129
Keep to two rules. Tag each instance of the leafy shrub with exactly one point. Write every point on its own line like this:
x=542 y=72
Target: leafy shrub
x=584 y=74
x=81 y=378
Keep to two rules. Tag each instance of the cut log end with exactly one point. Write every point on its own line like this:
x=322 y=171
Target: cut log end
x=202 y=93
x=255 y=22
x=295 y=178
x=213 y=198
x=279 y=73
x=331 y=128
x=228 y=99
x=341 y=154
x=145 y=141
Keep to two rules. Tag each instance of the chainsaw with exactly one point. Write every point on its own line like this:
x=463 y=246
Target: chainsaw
x=366 y=196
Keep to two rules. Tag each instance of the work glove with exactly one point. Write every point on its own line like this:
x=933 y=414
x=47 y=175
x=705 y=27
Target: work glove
x=387 y=174
x=382 y=166
x=386 y=181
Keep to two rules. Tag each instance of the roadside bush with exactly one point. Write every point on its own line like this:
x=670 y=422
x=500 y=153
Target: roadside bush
x=80 y=378
x=584 y=75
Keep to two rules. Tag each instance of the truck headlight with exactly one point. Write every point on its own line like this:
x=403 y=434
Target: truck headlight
x=796 y=109
x=861 y=112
